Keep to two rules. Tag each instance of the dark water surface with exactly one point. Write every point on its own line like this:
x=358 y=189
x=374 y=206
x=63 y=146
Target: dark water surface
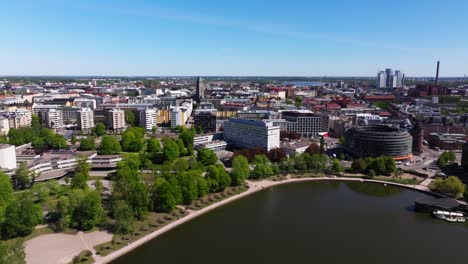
x=312 y=222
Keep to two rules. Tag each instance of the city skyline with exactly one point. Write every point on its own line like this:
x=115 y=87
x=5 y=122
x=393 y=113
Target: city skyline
x=255 y=38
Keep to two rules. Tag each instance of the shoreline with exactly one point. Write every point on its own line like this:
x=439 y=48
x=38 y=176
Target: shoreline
x=253 y=188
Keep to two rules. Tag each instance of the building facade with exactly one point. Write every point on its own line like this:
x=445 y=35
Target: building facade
x=116 y=120
x=54 y=118
x=244 y=133
x=86 y=119
x=306 y=123
x=7 y=157
x=148 y=118
x=206 y=120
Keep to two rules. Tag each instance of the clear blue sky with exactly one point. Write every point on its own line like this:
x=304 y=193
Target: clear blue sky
x=233 y=37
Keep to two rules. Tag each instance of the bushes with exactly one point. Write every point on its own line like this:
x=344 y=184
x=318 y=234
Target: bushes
x=452 y=186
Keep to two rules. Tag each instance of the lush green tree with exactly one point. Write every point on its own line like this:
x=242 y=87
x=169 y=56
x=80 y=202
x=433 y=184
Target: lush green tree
x=378 y=165
x=60 y=217
x=180 y=164
x=442 y=161
x=153 y=146
x=124 y=218
x=342 y=141
x=260 y=159
x=180 y=145
x=359 y=165
x=300 y=163
x=240 y=170
x=132 y=139
x=187 y=136
x=41 y=192
x=87 y=144
x=109 y=146
x=188 y=185
x=206 y=156
x=162 y=198
x=99 y=129
x=390 y=166
x=452 y=186
x=316 y=162
x=336 y=166
x=218 y=178
x=371 y=173
x=13 y=252
x=73 y=139
x=6 y=192
x=261 y=171
x=81 y=177
x=88 y=211
x=23 y=177
x=170 y=150
x=99 y=186
x=138 y=199
x=130 y=118
x=20 y=218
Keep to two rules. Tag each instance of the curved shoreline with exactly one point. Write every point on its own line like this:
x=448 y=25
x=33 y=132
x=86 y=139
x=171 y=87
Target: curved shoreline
x=253 y=188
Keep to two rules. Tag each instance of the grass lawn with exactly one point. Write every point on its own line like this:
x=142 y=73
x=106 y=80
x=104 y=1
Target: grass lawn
x=216 y=197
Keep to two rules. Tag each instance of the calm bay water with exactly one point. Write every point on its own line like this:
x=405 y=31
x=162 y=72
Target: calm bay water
x=312 y=222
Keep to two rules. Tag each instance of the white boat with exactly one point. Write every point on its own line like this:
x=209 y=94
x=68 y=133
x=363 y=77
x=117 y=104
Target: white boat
x=454 y=217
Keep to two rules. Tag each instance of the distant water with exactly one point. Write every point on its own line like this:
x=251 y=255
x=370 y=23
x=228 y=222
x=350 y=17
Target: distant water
x=302 y=84
x=312 y=222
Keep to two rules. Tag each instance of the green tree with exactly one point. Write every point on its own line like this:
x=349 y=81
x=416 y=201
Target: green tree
x=217 y=178
x=452 y=186
x=342 y=141
x=359 y=165
x=124 y=218
x=390 y=166
x=378 y=165
x=109 y=146
x=336 y=166
x=170 y=150
x=6 y=192
x=187 y=136
x=300 y=163
x=240 y=170
x=13 y=252
x=20 y=218
x=88 y=212
x=99 y=186
x=153 y=146
x=81 y=177
x=60 y=217
x=188 y=185
x=162 y=198
x=206 y=156
x=132 y=139
x=73 y=139
x=87 y=144
x=130 y=118
x=99 y=129
x=23 y=177
x=261 y=171
x=138 y=199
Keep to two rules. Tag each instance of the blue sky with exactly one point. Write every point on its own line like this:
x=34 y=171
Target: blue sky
x=234 y=37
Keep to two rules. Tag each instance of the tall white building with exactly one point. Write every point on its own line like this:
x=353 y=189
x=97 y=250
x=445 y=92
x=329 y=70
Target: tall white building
x=54 y=118
x=4 y=125
x=86 y=119
x=7 y=157
x=179 y=115
x=148 y=118
x=386 y=79
x=252 y=134
x=116 y=120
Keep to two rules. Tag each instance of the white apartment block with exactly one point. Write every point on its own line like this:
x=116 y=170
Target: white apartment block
x=54 y=118
x=4 y=125
x=86 y=119
x=179 y=115
x=116 y=120
x=148 y=118
x=7 y=157
x=245 y=133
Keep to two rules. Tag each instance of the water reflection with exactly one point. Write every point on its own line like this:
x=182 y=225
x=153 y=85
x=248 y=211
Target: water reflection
x=374 y=189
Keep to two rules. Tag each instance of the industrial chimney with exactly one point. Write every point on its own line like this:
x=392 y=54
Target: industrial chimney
x=437 y=74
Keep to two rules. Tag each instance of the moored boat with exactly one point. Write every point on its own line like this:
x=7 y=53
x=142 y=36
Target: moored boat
x=454 y=217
